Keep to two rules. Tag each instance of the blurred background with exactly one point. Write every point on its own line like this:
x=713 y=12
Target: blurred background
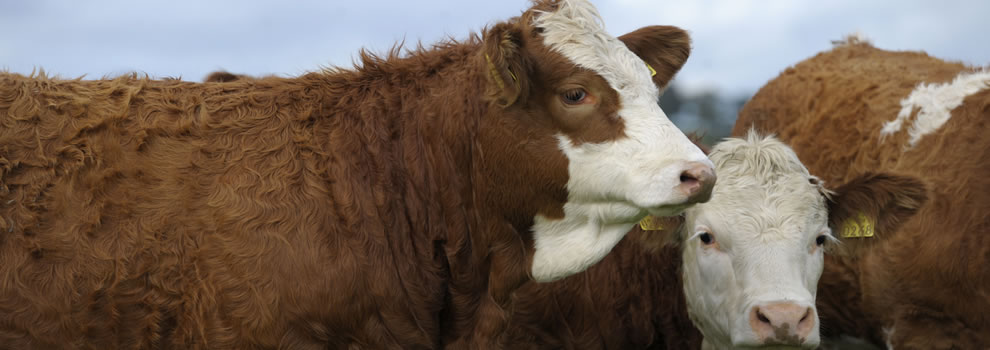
x=738 y=44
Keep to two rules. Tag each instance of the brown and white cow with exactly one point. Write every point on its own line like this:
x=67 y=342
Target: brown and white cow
x=857 y=110
x=750 y=259
x=397 y=204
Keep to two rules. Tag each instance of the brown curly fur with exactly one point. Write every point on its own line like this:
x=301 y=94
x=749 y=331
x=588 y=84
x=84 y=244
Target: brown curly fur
x=927 y=278
x=382 y=207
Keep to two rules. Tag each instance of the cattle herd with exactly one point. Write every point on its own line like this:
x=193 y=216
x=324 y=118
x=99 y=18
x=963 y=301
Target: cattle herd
x=517 y=189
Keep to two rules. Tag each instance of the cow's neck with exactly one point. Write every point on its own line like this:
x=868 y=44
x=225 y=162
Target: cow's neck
x=840 y=305
x=422 y=116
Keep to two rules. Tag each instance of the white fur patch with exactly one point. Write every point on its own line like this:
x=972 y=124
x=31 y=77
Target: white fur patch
x=613 y=184
x=571 y=245
x=935 y=103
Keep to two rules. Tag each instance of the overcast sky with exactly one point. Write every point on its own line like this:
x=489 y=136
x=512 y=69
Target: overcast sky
x=738 y=44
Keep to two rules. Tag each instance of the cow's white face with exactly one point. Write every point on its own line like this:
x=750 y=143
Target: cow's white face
x=614 y=183
x=753 y=254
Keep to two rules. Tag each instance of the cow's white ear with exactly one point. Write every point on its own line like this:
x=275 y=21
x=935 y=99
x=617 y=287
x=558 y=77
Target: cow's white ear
x=664 y=48
x=873 y=206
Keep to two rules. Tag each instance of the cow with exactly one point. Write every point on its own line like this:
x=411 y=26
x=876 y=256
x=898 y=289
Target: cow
x=858 y=112
x=395 y=204
x=753 y=255
x=742 y=267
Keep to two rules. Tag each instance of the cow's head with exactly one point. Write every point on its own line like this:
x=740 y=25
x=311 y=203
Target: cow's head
x=575 y=116
x=753 y=254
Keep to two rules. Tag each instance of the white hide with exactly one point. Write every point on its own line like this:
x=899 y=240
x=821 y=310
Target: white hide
x=935 y=103
x=612 y=184
x=765 y=215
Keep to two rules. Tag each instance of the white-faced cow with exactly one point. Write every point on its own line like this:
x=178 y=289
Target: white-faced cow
x=857 y=114
x=752 y=257
x=750 y=262
x=396 y=204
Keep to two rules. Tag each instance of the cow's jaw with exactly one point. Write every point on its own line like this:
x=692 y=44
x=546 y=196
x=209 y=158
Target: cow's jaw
x=615 y=183
x=568 y=246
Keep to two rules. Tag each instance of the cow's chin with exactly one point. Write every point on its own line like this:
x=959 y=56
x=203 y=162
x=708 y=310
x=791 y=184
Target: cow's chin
x=669 y=210
x=625 y=212
x=660 y=204
x=621 y=212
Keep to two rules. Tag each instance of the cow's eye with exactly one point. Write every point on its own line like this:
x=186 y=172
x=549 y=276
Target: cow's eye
x=706 y=238
x=820 y=240
x=574 y=96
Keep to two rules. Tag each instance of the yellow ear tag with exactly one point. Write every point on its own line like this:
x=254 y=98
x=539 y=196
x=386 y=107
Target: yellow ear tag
x=650 y=223
x=859 y=227
x=494 y=72
x=653 y=72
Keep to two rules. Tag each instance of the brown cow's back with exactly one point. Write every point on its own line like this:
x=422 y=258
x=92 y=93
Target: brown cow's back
x=927 y=285
x=282 y=209
x=840 y=99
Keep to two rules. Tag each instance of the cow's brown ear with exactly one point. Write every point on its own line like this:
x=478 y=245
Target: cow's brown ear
x=503 y=62
x=873 y=206
x=664 y=48
x=656 y=233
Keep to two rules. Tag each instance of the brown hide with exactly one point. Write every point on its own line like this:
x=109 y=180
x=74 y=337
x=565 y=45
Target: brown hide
x=632 y=299
x=386 y=206
x=928 y=282
x=167 y=214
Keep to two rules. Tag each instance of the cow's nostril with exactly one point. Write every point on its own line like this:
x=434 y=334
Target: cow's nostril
x=688 y=178
x=786 y=322
x=696 y=182
x=760 y=316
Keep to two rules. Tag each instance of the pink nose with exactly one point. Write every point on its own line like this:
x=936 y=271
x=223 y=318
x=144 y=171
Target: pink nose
x=697 y=181
x=783 y=323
